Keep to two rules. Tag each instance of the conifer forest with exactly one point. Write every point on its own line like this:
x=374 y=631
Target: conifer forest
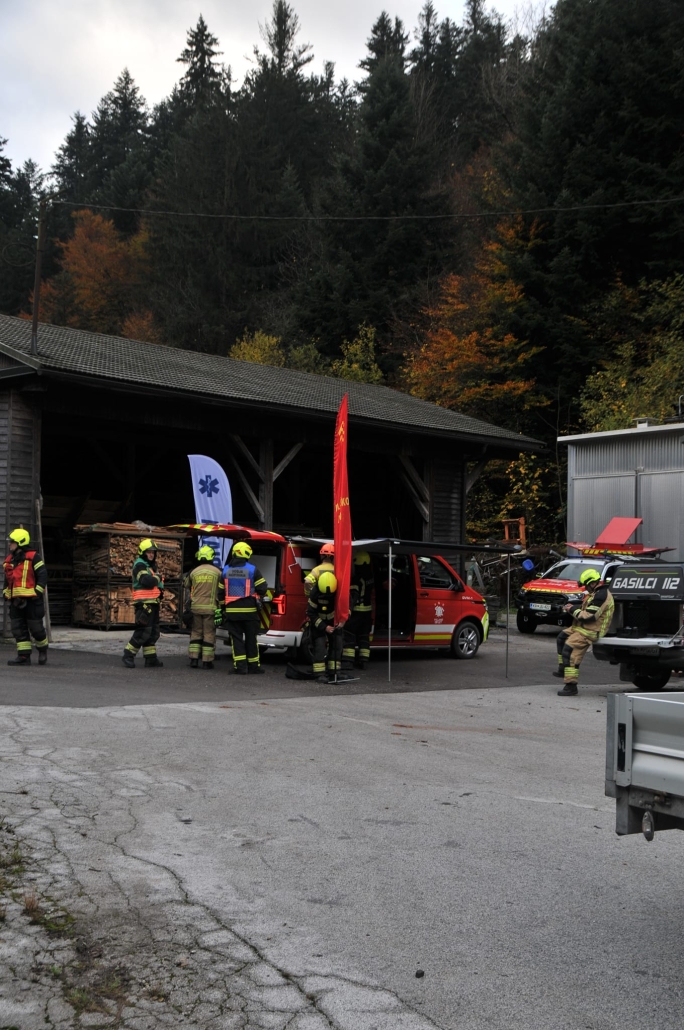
x=490 y=217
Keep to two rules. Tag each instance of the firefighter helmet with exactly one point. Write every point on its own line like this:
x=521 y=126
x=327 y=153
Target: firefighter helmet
x=362 y=558
x=242 y=550
x=328 y=551
x=147 y=545
x=589 y=576
x=206 y=553
x=327 y=583
x=20 y=537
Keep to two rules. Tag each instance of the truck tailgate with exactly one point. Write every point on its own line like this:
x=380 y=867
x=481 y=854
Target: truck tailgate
x=645 y=759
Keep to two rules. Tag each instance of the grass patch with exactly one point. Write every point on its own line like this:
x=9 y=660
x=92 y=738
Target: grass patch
x=83 y=1001
x=32 y=906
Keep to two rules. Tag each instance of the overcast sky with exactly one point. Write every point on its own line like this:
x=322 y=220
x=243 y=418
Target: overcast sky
x=60 y=56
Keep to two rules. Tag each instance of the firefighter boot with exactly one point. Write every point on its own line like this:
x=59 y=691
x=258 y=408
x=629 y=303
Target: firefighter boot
x=128 y=659
x=569 y=690
x=194 y=663
x=559 y=673
x=207 y=665
x=42 y=656
x=255 y=670
x=152 y=662
x=21 y=659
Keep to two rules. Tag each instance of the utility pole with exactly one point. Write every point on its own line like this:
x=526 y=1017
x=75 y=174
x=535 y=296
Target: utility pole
x=40 y=246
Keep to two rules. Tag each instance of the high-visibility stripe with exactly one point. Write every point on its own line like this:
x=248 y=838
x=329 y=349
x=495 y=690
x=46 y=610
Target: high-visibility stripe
x=149 y=651
x=23 y=592
x=24 y=645
x=432 y=636
x=145 y=595
x=132 y=649
x=42 y=644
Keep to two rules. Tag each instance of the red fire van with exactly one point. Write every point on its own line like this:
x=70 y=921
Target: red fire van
x=431 y=605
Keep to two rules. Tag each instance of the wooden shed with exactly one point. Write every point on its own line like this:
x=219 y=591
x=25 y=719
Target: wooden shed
x=100 y=427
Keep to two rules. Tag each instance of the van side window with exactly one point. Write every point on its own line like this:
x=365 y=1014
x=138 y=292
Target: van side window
x=433 y=574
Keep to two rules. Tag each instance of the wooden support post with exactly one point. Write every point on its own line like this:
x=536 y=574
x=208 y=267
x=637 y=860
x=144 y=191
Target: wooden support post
x=475 y=473
x=251 y=496
x=266 y=485
x=282 y=465
x=420 y=492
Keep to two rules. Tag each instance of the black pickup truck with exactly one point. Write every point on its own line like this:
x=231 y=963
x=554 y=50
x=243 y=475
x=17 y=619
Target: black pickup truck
x=646 y=638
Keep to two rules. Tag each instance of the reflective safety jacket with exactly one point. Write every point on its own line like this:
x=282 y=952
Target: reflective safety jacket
x=320 y=608
x=361 y=589
x=206 y=588
x=25 y=575
x=243 y=584
x=311 y=578
x=148 y=585
x=593 y=617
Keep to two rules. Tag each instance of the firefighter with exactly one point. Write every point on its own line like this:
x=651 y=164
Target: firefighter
x=245 y=593
x=327 y=556
x=206 y=590
x=326 y=637
x=25 y=582
x=358 y=627
x=590 y=621
x=147 y=593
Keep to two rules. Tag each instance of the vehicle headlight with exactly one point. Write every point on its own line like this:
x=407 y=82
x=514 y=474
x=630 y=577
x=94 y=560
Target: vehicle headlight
x=574 y=597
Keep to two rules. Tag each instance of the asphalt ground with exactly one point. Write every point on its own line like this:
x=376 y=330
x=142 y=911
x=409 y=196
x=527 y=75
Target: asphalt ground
x=81 y=679
x=293 y=859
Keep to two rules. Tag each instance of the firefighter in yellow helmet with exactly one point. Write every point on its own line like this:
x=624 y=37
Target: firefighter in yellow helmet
x=245 y=592
x=326 y=637
x=358 y=627
x=25 y=582
x=205 y=591
x=590 y=621
x=147 y=593
x=326 y=564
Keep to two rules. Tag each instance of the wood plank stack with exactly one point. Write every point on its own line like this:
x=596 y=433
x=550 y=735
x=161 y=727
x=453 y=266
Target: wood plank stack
x=103 y=560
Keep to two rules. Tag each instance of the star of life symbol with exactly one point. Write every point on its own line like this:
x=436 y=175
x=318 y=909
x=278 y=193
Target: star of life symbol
x=208 y=486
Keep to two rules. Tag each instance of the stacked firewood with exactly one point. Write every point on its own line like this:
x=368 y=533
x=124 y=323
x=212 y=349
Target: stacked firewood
x=91 y=603
x=94 y=553
x=103 y=562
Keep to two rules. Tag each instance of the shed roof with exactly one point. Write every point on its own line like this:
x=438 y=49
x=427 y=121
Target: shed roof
x=116 y=359
x=624 y=434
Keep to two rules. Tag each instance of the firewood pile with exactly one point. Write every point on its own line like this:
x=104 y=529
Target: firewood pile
x=95 y=554
x=98 y=605
x=103 y=562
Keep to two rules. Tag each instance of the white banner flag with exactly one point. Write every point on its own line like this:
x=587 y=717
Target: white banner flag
x=213 y=501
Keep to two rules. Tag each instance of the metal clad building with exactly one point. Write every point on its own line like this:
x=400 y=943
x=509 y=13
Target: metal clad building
x=629 y=472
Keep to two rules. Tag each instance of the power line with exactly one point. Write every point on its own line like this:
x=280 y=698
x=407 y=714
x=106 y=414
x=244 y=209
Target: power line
x=371 y=218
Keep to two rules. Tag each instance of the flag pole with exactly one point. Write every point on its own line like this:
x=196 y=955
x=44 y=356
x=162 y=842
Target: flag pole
x=508 y=605
x=389 y=617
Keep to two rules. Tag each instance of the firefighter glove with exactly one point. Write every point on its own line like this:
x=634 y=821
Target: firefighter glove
x=218 y=616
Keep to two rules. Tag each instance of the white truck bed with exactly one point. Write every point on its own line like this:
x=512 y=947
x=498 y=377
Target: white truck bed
x=645 y=761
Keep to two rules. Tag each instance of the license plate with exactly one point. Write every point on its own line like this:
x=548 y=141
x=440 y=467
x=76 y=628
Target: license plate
x=541 y=607
x=655 y=651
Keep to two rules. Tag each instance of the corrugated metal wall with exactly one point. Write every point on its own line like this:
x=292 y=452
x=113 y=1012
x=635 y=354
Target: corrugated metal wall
x=19 y=465
x=639 y=475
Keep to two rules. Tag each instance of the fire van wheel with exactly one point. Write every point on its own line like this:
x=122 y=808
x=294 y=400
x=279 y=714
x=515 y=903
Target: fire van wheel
x=652 y=681
x=526 y=622
x=466 y=640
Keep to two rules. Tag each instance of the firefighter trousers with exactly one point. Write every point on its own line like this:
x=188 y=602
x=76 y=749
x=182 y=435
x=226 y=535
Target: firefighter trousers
x=243 y=638
x=26 y=621
x=572 y=647
x=202 y=637
x=357 y=632
x=146 y=632
x=327 y=650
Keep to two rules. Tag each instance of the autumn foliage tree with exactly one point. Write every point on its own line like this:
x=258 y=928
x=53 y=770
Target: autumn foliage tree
x=470 y=359
x=100 y=283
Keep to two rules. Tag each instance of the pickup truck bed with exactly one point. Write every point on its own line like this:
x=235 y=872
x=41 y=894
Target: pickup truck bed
x=645 y=761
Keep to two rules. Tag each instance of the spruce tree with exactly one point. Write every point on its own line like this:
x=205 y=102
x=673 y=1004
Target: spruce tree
x=203 y=76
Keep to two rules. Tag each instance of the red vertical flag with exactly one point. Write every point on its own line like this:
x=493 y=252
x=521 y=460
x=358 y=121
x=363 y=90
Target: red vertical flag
x=343 y=536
